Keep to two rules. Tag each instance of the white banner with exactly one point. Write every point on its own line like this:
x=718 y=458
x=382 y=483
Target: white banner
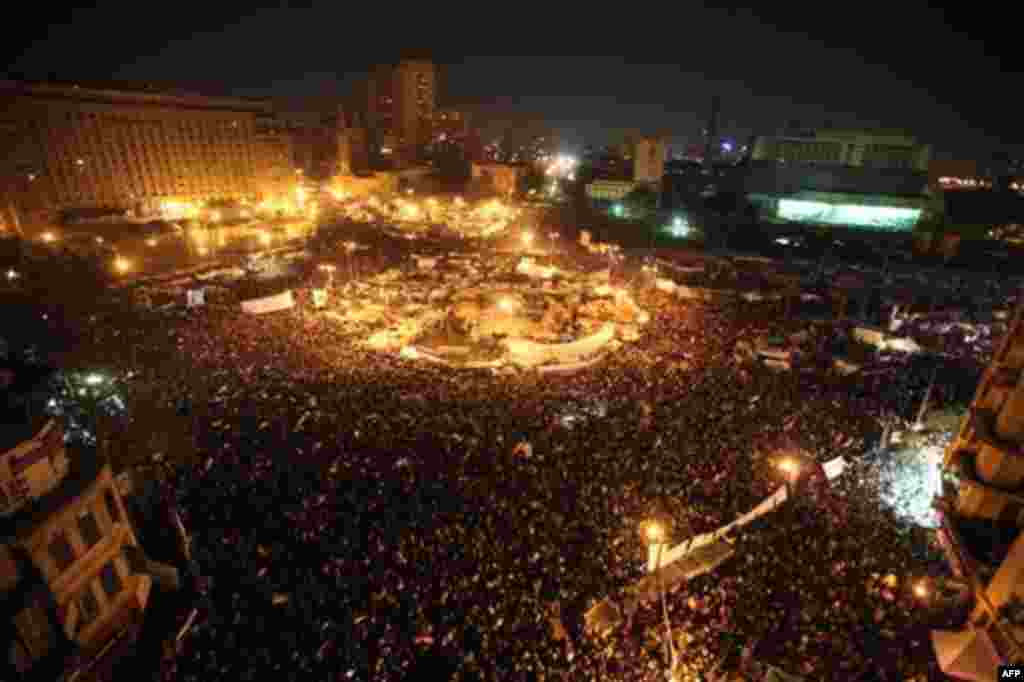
x=196 y=298
x=524 y=352
x=269 y=304
x=833 y=469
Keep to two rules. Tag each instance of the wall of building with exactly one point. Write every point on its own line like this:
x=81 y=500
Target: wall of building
x=849 y=148
x=496 y=177
x=103 y=148
x=649 y=160
x=609 y=190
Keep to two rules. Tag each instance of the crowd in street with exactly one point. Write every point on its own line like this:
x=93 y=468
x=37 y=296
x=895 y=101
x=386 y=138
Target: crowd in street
x=360 y=516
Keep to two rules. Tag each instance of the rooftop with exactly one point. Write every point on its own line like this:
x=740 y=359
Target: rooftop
x=22 y=412
x=130 y=93
x=84 y=467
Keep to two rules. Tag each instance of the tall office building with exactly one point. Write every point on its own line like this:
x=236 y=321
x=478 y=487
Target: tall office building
x=68 y=146
x=400 y=103
x=649 y=161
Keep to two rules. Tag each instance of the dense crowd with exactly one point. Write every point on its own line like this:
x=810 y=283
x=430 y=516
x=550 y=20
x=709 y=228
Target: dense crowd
x=364 y=517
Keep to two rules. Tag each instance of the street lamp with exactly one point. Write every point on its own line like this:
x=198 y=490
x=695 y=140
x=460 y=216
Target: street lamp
x=654 y=532
x=790 y=467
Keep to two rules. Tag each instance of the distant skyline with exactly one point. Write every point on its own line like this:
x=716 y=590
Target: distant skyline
x=765 y=76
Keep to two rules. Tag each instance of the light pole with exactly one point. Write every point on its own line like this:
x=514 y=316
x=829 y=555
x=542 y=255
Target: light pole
x=655 y=535
x=790 y=467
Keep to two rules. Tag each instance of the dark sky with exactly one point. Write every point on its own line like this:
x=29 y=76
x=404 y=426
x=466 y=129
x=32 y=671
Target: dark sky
x=935 y=72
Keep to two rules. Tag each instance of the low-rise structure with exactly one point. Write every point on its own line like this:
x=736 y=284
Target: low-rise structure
x=73 y=578
x=609 y=190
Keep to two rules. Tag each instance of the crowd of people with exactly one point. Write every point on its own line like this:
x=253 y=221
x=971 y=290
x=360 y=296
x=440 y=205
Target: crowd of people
x=359 y=516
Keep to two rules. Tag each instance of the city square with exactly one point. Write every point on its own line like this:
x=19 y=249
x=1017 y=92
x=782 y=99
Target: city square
x=327 y=364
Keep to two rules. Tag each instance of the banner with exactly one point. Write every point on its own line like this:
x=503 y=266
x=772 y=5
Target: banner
x=833 y=469
x=196 y=298
x=319 y=298
x=269 y=304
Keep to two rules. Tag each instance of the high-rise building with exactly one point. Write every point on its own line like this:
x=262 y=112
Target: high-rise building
x=69 y=146
x=982 y=513
x=400 y=103
x=649 y=161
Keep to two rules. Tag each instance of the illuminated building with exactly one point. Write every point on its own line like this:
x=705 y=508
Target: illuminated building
x=275 y=144
x=451 y=123
x=497 y=177
x=852 y=179
x=609 y=190
x=72 y=575
x=649 y=161
x=400 y=105
x=982 y=510
x=856 y=148
x=72 y=147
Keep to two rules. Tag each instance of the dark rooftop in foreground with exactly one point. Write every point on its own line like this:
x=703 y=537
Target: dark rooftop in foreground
x=84 y=466
x=25 y=391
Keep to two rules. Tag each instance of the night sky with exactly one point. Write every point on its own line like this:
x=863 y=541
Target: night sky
x=850 y=65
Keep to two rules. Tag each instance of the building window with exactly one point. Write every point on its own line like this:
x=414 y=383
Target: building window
x=110 y=580
x=89 y=528
x=61 y=552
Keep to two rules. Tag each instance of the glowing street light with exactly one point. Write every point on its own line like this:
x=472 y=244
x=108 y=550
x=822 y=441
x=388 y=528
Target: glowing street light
x=12 y=274
x=508 y=305
x=654 y=534
x=122 y=265
x=789 y=466
x=49 y=237
x=99 y=240
x=921 y=590
x=151 y=242
x=94 y=379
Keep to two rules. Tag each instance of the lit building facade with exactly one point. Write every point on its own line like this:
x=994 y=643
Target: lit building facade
x=982 y=512
x=649 y=161
x=275 y=144
x=71 y=147
x=859 y=180
x=845 y=147
x=609 y=190
x=400 y=103
x=497 y=177
x=451 y=123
